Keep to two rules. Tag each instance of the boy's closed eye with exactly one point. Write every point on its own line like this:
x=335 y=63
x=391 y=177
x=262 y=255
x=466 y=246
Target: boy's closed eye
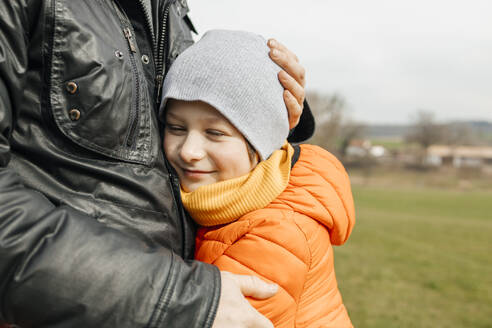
x=216 y=133
x=175 y=128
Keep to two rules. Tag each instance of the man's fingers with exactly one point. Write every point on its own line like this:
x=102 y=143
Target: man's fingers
x=272 y=43
x=292 y=86
x=255 y=287
x=294 y=109
x=288 y=64
x=288 y=61
x=293 y=79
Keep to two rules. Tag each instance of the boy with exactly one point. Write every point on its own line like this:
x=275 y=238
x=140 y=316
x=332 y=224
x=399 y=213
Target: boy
x=267 y=208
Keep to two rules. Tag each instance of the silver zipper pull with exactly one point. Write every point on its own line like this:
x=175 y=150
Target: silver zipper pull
x=129 y=38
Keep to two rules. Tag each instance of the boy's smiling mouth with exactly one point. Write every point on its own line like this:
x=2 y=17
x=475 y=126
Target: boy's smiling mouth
x=195 y=174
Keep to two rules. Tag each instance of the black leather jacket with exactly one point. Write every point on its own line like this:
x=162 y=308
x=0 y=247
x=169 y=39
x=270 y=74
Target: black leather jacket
x=90 y=231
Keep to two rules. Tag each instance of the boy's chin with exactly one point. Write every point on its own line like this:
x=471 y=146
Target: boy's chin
x=193 y=186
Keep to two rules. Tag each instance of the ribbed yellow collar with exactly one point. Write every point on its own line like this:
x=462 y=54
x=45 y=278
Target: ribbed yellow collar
x=226 y=201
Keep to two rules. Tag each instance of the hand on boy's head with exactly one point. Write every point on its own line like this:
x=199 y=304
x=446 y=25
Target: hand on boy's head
x=293 y=78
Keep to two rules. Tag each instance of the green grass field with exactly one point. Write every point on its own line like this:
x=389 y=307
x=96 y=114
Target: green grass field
x=418 y=258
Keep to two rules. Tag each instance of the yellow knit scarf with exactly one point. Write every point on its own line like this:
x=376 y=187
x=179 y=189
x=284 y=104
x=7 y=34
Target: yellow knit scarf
x=226 y=201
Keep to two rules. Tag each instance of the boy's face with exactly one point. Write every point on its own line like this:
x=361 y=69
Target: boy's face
x=202 y=146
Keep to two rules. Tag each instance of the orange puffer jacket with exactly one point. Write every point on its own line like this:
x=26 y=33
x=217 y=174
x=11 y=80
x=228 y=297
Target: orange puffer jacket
x=289 y=242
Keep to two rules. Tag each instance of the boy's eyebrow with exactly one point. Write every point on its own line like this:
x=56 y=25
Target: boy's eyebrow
x=213 y=119
x=170 y=113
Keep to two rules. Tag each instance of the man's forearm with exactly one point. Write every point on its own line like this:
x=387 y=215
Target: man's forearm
x=58 y=265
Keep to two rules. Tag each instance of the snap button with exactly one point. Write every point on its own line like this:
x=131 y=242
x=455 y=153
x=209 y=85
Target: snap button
x=74 y=114
x=72 y=87
x=145 y=59
x=119 y=54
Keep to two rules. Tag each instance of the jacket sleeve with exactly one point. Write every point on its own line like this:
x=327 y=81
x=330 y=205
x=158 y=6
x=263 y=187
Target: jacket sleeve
x=60 y=267
x=271 y=247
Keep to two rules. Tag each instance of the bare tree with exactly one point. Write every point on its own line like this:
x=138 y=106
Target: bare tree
x=425 y=131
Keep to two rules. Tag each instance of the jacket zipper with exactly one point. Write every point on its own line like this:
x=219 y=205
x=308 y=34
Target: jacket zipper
x=132 y=49
x=134 y=113
x=159 y=45
x=160 y=66
x=159 y=48
x=160 y=62
x=150 y=27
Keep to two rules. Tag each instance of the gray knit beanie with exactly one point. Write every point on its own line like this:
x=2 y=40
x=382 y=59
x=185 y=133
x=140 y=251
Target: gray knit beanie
x=231 y=71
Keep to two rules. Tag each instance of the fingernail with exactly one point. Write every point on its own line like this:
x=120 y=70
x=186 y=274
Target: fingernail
x=275 y=53
x=272 y=43
x=273 y=288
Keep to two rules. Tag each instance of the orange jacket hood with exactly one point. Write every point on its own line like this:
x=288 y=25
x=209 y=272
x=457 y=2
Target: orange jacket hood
x=320 y=189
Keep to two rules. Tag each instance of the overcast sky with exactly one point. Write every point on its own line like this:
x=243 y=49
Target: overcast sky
x=388 y=58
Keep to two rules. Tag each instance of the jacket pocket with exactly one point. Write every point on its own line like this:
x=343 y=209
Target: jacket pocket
x=97 y=88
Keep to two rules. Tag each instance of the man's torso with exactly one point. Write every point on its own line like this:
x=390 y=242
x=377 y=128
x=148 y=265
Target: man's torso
x=86 y=132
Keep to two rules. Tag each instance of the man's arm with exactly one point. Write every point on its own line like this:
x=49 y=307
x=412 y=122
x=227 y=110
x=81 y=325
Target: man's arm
x=61 y=266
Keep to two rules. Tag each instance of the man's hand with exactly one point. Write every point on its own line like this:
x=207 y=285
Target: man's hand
x=293 y=78
x=234 y=310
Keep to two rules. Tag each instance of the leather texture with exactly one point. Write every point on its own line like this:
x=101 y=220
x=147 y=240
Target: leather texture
x=289 y=242
x=91 y=231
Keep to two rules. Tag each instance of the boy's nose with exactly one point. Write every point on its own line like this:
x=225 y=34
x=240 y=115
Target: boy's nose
x=192 y=148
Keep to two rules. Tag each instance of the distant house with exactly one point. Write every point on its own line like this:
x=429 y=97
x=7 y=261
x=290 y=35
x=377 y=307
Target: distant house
x=459 y=156
x=362 y=148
